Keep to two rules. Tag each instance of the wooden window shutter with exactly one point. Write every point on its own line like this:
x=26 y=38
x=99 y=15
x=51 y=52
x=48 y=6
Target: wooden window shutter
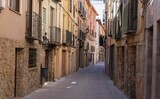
x=125 y=18
x=117 y=27
x=114 y=28
x=111 y=28
x=134 y=5
x=17 y=5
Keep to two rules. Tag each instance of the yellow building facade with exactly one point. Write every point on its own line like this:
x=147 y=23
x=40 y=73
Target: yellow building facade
x=60 y=30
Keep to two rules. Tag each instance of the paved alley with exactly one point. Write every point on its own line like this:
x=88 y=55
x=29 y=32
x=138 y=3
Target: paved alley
x=87 y=83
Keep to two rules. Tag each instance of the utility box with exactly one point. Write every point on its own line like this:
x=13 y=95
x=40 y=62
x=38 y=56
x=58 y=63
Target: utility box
x=2 y=4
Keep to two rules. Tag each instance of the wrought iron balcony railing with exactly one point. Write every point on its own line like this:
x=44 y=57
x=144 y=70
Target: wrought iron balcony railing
x=82 y=35
x=58 y=0
x=33 y=26
x=80 y=8
x=64 y=37
x=67 y=38
x=92 y=48
x=55 y=35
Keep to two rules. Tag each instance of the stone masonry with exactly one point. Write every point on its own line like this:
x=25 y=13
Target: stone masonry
x=14 y=72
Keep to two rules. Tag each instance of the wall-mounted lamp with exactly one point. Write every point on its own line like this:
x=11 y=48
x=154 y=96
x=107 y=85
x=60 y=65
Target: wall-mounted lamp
x=106 y=11
x=45 y=39
x=87 y=30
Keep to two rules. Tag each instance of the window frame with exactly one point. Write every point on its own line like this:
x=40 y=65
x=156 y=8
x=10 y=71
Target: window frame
x=32 y=58
x=44 y=14
x=74 y=11
x=71 y=2
x=17 y=7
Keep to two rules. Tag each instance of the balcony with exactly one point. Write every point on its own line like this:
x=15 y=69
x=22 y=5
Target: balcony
x=129 y=23
x=81 y=35
x=150 y=14
x=33 y=26
x=84 y=15
x=80 y=8
x=55 y=35
x=64 y=37
x=58 y=0
x=86 y=46
x=92 y=48
x=69 y=37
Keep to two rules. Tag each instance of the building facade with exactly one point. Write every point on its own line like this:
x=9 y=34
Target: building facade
x=152 y=28
x=133 y=46
x=60 y=29
x=99 y=5
x=20 y=48
x=82 y=55
x=100 y=46
x=51 y=36
x=126 y=45
x=91 y=34
x=43 y=40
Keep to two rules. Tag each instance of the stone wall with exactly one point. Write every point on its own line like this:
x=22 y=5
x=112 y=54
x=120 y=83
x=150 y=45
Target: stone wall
x=7 y=57
x=120 y=68
x=14 y=64
x=129 y=66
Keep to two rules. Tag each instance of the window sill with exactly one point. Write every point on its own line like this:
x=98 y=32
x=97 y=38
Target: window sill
x=14 y=11
x=33 y=68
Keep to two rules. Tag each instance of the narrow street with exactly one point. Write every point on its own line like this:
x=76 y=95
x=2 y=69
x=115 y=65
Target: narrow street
x=88 y=83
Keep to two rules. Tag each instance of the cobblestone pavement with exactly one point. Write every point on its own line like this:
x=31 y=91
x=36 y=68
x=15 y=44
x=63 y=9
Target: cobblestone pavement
x=88 y=83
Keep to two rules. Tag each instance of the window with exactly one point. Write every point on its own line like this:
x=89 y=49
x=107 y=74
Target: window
x=32 y=57
x=134 y=5
x=74 y=11
x=51 y=16
x=70 y=5
x=130 y=16
x=44 y=15
x=15 y=5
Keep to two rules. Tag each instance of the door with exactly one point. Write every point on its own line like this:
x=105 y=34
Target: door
x=93 y=58
x=63 y=63
x=149 y=61
x=132 y=71
x=111 y=62
x=18 y=70
x=46 y=58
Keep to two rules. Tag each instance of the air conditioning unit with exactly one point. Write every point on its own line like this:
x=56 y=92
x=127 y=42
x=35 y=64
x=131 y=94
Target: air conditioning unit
x=2 y=4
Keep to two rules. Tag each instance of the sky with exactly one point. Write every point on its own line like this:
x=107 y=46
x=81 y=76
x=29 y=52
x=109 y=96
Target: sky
x=100 y=8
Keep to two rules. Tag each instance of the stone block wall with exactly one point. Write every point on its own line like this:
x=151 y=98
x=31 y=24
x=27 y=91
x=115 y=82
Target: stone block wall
x=14 y=72
x=7 y=62
x=129 y=70
x=120 y=68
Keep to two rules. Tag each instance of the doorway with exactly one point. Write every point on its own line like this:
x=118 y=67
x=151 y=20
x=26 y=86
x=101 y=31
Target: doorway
x=18 y=70
x=132 y=71
x=63 y=63
x=149 y=52
x=111 y=62
x=46 y=58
